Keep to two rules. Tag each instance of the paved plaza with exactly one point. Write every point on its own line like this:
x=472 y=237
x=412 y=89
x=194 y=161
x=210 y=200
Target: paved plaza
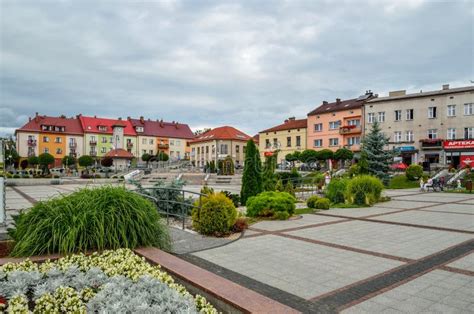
x=413 y=254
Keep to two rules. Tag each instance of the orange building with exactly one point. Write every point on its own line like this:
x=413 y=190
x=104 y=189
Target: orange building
x=337 y=124
x=54 y=144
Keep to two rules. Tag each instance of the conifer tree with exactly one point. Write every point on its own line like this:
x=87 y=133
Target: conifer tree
x=376 y=155
x=252 y=177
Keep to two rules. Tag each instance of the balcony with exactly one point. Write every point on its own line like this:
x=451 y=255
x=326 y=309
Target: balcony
x=429 y=143
x=129 y=145
x=93 y=153
x=72 y=145
x=163 y=146
x=32 y=143
x=93 y=143
x=350 y=129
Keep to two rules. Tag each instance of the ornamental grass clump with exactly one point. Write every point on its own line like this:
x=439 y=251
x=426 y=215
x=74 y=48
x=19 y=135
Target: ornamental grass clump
x=364 y=190
x=89 y=219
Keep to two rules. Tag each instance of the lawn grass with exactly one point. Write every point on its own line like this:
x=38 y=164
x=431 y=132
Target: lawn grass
x=344 y=205
x=463 y=191
x=402 y=182
x=301 y=211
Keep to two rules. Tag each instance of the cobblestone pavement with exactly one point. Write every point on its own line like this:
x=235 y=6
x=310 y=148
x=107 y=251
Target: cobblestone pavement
x=412 y=254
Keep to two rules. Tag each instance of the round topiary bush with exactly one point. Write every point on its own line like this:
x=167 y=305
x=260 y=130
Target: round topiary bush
x=336 y=189
x=322 y=203
x=311 y=201
x=414 y=172
x=89 y=219
x=364 y=190
x=269 y=204
x=216 y=216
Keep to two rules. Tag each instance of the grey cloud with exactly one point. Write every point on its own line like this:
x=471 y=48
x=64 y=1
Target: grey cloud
x=248 y=64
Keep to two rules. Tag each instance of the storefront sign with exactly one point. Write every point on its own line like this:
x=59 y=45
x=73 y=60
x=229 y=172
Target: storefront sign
x=458 y=144
x=467 y=160
x=406 y=148
x=268 y=154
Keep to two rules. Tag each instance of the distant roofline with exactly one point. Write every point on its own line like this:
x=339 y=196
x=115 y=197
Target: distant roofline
x=423 y=94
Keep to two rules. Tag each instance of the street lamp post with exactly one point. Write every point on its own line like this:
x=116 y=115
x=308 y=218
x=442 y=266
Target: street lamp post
x=2 y=183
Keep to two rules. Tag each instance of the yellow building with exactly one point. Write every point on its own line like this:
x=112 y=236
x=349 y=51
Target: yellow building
x=286 y=138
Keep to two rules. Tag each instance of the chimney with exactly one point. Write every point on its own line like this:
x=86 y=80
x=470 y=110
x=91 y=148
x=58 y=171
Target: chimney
x=396 y=93
x=338 y=100
x=142 y=120
x=128 y=118
x=95 y=116
x=120 y=118
x=29 y=119
x=325 y=102
x=291 y=119
x=445 y=86
x=286 y=121
x=36 y=114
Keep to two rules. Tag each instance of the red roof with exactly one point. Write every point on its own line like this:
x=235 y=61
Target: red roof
x=162 y=129
x=92 y=124
x=222 y=133
x=256 y=138
x=119 y=153
x=340 y=105
x=289 y=124
x=35 y=124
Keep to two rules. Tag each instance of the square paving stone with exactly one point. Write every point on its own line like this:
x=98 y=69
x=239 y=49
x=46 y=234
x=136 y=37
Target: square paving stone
x=359 y=212
x=402 y=204
x=437 y=197
x=466 y=262
x=297 y=267
x=441 y=220
x=395 y=240
x=447 y=300
x=308 y=219
x=455 y=208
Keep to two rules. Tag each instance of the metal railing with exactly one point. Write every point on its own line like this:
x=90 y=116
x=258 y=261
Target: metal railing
x=168 y=205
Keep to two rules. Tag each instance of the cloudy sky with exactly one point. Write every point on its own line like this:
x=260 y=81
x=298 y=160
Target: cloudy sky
x=249 y=64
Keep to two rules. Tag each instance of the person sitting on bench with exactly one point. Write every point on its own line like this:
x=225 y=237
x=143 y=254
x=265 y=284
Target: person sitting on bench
x=428 y=184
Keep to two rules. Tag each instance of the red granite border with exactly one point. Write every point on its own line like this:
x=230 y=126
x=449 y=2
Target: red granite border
x=457 y=270
x=243 y=299
x=25 y=196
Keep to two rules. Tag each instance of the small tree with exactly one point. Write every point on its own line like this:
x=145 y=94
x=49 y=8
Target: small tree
x=69 y=161
x=146 y=158
x=11 y=155
x=308 y=156
x=378 y=158
x=24 y=164
x=269 y=178
x=343 y=154
x=162 y=156
x=107 y=162
x=86 y=161
x=33 y=161
x=252 y=177
x=45 y=160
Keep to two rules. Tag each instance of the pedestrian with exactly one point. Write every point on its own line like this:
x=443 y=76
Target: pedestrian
x=327 y=178
x=422 y=184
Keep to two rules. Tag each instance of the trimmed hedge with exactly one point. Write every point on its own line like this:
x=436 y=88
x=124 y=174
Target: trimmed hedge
x=216 y=216
x=322 y=203
x=336 y=190
x=277 y=205
x=311 y=201
x=414 y=172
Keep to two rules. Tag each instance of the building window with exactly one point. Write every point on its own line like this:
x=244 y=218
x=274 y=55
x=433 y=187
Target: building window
x=275 y=143
x=333 y=125
x=143 y=151
x=468 y=133
x=102 y=128
x=333 y=141
x=59 y=151
x=409 y=114
x=46 y=150
x=298 y=141
x=409 y=136
x=288 y=141
x=353 y=141
x=199 y=150
x=451 y=110
x=171 y=142
x=139 y=129
x=224 y=149
x=267 y=143
x=398 y=115
x=318 y=143
x=237 y=149
x=207 y=149
x=397 y=136
x=150 y=141
x=371 y=117
x=381 y=117
x=355 y=122
x=111 y=139
x=151 y=151
x=143 y=141
x=469 y=109
x=451 y=134
x=45 y=139
x=432 y=133
x=177 y=142
x=103 y=150
x=318 y=127
x=431 y=112
x=58 y=140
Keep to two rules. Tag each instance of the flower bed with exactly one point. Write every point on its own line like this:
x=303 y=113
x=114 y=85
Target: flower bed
x=110 y=282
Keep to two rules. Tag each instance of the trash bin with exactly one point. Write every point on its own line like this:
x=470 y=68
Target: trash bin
x=469 y=185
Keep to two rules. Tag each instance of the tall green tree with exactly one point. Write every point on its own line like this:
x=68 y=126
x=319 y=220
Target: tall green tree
x=11 y=155
x=69 y=161
x=86 y=161
x=308 y=156
x=269 y=178
x=162 y=156
x=374 y=151
x=252 y=177
x=146 y=158
x=45 y=160
x=343 y=154
x=33 y=161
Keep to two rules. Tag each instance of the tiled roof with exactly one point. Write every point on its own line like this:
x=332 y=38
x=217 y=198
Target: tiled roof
x=119 y=153
x=288 y=125
x=337 y=106
x=163 y=129
x=425 y=94
x=91 y=125
x=222 y=133
x=256 y=138
x=71 y=125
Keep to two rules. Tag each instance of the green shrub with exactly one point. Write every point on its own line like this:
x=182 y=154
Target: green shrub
x=207 y=190
x=311 y=201
x=16 y=176
x=89 y=219
x=316 y=178
x=402 y=182
x=281 y=215
x=267 y=204
x=414 y=172
x=322 y=203
x=364 y=190
x=216 y=216
x=336 y=190
x=234 y=197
